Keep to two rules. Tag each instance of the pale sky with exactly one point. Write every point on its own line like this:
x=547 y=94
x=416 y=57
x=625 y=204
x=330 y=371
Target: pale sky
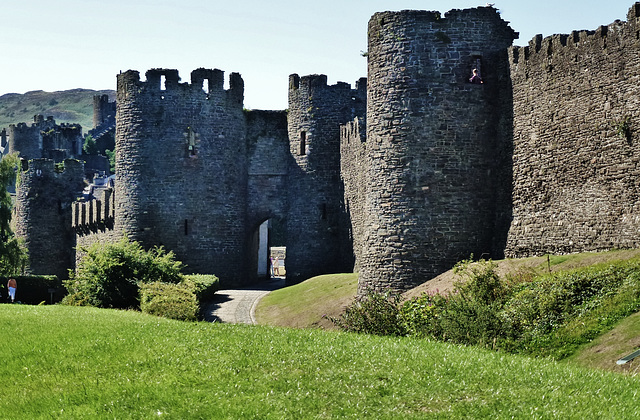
x=56 y=45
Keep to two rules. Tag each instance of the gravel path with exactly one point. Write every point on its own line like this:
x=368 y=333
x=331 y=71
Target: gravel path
x=237 y=306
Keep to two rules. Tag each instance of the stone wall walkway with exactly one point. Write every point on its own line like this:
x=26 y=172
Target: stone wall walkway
x=237 y=306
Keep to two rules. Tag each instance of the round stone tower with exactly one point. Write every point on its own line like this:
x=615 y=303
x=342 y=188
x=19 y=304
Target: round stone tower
x=181 y=165
x=317 y=226
x=44 y=195
x=431 y=139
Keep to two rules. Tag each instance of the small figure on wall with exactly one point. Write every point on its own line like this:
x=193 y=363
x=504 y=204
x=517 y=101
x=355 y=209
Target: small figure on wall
x=475 y=78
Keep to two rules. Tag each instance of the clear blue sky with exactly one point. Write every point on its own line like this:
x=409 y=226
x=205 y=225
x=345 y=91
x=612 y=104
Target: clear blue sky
x=65 y=44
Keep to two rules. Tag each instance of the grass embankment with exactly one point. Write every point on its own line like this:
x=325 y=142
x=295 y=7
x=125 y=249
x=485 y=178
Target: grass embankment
x=308 y=304
x=304 y=304
x=70 y=362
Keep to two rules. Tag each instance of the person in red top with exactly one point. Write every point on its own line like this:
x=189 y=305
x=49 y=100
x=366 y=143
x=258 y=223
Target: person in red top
x=12 y=285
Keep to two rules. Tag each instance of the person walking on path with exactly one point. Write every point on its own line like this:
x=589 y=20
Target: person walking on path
x=12 y=286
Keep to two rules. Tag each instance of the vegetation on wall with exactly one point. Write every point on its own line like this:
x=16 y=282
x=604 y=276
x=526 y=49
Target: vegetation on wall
x=13 y=255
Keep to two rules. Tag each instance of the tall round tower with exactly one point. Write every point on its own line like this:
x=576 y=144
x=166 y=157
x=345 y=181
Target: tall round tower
x=42 y=218
x=181 y=168
x=317 y=226
x=431 y=138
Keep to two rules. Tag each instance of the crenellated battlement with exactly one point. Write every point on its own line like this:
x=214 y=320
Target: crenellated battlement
x=316 y=82
x=206 y=83
x=617 y=34
x=45 y=169
x=45 y=139
x=94 y=215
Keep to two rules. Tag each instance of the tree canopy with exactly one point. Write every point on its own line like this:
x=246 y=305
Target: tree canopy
x=12 y=254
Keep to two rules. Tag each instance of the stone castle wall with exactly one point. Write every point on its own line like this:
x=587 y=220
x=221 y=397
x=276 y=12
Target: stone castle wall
x=43 y=214
x=430 y=193
x=576 y=131
x=93 y=222
x=353 y=152
x=403 y=176
x=317 y=227
x=181 y=160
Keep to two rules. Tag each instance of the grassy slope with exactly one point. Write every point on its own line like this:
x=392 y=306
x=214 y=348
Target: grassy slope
x=71 y=362
x=604 y=351
x=304 y=304
x=68 y=106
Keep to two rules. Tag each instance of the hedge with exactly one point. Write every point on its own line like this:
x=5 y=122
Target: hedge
x=33 y=290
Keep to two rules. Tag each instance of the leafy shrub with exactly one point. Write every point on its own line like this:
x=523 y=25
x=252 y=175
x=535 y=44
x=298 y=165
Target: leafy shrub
x=550 y=315
x=469 y=315
x=204 y=286
x=109 y=275
x=555 y=314
x=174 y=301
x=422 y=315
x=373 y=313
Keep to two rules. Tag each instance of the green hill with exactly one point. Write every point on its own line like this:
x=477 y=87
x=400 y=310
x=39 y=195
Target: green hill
x=67 y=106
x=78 y=362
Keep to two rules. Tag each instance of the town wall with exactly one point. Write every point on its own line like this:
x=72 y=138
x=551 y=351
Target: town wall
x=576 y=131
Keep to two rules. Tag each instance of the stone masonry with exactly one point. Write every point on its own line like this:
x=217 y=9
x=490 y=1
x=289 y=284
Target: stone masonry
x=400 y=177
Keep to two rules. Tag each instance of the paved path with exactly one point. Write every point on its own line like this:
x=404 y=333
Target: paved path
x=237 y=306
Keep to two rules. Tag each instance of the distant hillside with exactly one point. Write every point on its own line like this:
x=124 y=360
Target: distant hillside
x=67 y=106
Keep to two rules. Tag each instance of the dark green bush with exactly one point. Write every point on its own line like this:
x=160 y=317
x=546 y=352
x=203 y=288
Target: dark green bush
x=34 y=290
x=550 y=315
x=557 y=313
x=174 y=301
x=469 y=315
x=374 y=313
x=204 y=286
x=109 y=275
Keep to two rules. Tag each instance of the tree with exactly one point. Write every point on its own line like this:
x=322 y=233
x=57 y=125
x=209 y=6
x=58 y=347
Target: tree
x=90 y=146
x=13 y=255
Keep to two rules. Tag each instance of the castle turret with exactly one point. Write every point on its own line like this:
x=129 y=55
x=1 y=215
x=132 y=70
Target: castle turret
x=45 y=139
x=317 y=224
x=44 y=195
x=181 y=165
x=103 y=110
x=431 y=134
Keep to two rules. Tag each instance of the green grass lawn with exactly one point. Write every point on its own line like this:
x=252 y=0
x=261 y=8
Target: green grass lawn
x=308 y=304
x=69 y=362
